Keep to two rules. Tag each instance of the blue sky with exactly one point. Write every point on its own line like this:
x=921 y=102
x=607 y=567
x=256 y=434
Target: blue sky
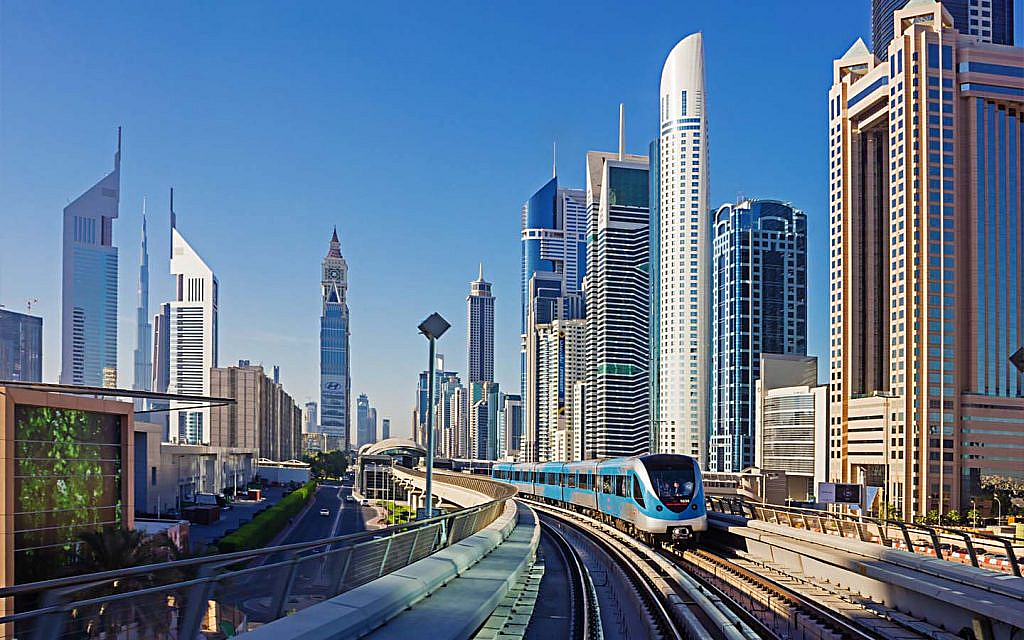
x=417 y=128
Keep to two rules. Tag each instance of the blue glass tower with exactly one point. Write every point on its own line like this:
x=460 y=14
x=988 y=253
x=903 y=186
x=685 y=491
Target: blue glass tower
x=759 y=305
x=335 y=378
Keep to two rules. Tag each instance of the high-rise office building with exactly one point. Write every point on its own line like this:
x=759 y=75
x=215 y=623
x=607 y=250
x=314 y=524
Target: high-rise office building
x=617 y=420
x=926 y=286
x=335 y=367
x=560 y=364
x=186 y=339
x=420 y=411
x=986 y=20
x=21 y=347
x=371 y=424
x=759 y=305
x=385 y=428
x=264 y=416
x=450 y=417
x=511 y=426
x=362 y=420
x=484 y=405
x=480 y=336
x=553 y=237
x=89 y=283
x=143 y=380
x=309 y=419
x=680 y=250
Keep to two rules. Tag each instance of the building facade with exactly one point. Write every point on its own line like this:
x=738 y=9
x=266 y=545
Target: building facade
x=422 y=404
x=561 y=363
x=309 y=419
x=511 y=426
x=264 y=416
x=987 y=20
x=926 y=290
x=484 y=404
x=553 y=235
x=385 y=428
x=21 y=347
x=362 y=420
x=335 y=367
x=143 y=380
x=185 y=342
x=791 y=423
x=617 y=283
x=680 y=249
x=480 y=323
x=89 y=283
x=759 y=305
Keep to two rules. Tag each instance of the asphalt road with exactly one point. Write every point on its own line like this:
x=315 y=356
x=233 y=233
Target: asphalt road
x=345 y=517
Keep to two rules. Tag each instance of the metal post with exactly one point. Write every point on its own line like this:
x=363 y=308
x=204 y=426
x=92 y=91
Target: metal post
x=430 y=431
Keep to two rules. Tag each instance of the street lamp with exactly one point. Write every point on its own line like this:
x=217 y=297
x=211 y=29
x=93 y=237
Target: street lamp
x=433 y=328
x=974 y=512
x=999 y=514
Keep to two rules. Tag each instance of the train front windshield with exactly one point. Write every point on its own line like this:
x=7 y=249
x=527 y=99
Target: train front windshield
x=673 y=479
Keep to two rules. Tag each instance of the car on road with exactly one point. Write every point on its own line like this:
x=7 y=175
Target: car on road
x=325 y=512
x=349 y=498
x=365 y=502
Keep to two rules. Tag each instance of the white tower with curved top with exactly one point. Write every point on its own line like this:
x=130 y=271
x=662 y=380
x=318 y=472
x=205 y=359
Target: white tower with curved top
x=680 y=246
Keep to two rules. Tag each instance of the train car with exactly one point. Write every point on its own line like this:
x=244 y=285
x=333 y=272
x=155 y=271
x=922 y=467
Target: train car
x=658 y=496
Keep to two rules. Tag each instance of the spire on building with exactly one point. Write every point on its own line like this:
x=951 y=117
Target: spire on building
x=335 y=250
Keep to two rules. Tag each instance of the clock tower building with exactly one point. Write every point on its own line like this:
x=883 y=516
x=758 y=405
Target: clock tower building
x=335 y=380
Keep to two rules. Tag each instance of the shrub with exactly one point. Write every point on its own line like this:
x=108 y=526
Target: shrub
x=268 y=522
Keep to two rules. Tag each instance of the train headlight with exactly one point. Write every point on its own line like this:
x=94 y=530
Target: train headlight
x=659 y=508
x=693 y=506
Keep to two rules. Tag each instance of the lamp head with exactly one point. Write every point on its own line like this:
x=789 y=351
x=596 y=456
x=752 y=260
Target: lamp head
x=434 y=326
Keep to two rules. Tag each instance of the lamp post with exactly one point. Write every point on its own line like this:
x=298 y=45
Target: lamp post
x=999 y=513
x=433 y=328
x=974 y=512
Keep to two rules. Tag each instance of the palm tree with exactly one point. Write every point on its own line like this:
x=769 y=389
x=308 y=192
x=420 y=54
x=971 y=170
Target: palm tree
x=111 y=548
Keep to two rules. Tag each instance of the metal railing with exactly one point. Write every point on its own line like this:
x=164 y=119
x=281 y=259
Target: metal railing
x=943 y=542
x=233 y=592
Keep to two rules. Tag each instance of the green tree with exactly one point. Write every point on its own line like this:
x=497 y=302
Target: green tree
x=932 y=517
x=973 y=516
x=952 y=517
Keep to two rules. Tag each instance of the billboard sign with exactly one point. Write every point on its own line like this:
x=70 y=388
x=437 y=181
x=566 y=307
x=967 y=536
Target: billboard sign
x=839 y=493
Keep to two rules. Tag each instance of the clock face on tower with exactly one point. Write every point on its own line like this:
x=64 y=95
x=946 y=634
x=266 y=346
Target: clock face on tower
x=333 y=274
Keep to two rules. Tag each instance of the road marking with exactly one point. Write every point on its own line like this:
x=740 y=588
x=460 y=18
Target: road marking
x=337 y=516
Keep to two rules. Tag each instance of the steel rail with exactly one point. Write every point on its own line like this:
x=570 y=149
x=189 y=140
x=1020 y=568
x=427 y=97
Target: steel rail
x=586 y=621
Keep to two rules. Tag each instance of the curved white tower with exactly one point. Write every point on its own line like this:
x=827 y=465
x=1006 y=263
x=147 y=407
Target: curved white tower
x=680 y=250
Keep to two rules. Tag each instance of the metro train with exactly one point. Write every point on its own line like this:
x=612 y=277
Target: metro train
x=653 y=497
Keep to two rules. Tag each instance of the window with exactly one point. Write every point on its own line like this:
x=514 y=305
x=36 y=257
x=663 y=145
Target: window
x=152 y=475
x=638 y=494
x=606 y=484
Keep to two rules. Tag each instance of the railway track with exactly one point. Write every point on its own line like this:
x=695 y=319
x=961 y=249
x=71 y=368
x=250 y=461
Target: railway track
x=678 y=607
x=586 y=618
x=790 y=607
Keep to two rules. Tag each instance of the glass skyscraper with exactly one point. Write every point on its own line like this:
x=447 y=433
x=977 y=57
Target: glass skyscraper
x=617 y=422
x=480 y=334
x=759 y=306
x=89 y=284
x=335 y=378
x=21 y=347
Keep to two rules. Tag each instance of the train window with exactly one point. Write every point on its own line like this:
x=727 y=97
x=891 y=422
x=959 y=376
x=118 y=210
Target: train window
x=620 y=486
x=606 y=484
x=638 y=494
x=572 y=480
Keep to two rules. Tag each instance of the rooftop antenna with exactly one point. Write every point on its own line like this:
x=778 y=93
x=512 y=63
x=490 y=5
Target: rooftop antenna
x=554 y=159
x=117 y=156
x=174 y=221
x=622 y=131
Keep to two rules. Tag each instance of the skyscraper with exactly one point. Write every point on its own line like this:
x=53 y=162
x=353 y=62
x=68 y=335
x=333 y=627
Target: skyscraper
x=143 y=380
x=309 y=419
x=264 y=415
x=191 y=344
x=988 y=20
x=21 y=347
x=680 y=250
x=89 y=283
x=385 y=428
x=617 y=420
x=511 y=425
x=480 y=323
x=484 y=406
x=420 y=411
x=759 y=305
x=926 y=286
x=362 y=420
x=335 y=376
x=553 y=236
x=560 y=364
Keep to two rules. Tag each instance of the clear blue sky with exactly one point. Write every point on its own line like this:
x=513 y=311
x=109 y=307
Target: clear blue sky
x=417 y=128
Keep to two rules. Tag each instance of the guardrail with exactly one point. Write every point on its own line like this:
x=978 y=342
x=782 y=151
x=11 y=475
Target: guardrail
x=890 y=533
x=234 y=591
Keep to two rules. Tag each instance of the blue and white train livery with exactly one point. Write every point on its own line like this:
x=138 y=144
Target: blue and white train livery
x=659 y=496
